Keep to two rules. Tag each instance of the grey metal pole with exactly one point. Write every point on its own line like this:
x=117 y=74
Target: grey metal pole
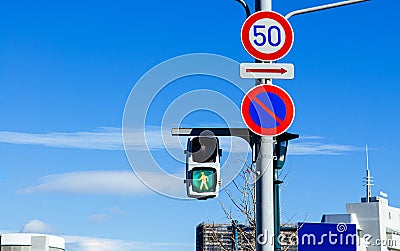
x=264 y=184
x=264 y=196
x=263 y=5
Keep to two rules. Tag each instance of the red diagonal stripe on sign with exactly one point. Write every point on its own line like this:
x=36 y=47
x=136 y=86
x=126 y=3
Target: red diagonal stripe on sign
x=271 y=113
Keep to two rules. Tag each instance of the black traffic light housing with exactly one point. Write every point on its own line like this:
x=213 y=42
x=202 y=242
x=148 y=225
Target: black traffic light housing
x=280 y=149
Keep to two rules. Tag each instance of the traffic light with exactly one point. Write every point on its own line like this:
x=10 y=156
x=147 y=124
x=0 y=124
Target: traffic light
x=203 y=167
x=280 y=154
x=280 y=149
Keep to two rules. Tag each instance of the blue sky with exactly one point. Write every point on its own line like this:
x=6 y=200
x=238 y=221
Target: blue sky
x=67 y=69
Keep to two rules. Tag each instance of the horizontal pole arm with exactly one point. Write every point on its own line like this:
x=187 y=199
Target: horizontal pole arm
x=237 y=132
x=243 y=133
x=323 y=7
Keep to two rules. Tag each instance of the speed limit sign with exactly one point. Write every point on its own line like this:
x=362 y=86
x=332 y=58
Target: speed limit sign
x=267 y=36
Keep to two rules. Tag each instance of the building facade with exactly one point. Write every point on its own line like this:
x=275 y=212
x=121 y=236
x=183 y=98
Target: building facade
x=31 y=242
x=287 y=238
x=378 y=224
x=237 y=237
x=221 y=237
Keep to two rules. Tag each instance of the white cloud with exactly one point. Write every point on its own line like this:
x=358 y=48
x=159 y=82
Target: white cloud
x=90 y=182
x=110 y=138
x=99 y=182
x=317 y=148
x=97 y=218
x=116 y=210
x=101 y=217
x=37 y=226
x=107 y=138
x=79 y=243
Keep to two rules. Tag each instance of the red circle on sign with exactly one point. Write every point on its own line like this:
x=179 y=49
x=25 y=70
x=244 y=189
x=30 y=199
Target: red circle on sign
x=249 y=121
x=280 y=53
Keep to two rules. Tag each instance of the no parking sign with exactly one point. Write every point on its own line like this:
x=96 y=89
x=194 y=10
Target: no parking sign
x=267 y=110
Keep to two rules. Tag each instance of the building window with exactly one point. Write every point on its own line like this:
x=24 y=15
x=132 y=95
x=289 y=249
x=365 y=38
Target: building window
x=15 y=248
x=390 y=216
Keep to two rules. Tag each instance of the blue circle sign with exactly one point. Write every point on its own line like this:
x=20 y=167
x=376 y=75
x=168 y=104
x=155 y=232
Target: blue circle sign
x=267 y=110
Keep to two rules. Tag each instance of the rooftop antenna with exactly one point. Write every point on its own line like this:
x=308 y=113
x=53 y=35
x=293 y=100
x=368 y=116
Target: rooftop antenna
x=368 y=179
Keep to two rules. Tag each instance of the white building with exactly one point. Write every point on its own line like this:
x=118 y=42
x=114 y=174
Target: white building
x=377 y=223
x=31 y=242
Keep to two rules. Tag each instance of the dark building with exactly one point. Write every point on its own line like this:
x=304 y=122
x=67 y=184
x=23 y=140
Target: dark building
x=238 y=237
x=289 y=237
x=222 y=237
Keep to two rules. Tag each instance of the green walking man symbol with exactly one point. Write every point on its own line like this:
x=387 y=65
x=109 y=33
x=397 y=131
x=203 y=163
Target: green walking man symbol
x=203 y=178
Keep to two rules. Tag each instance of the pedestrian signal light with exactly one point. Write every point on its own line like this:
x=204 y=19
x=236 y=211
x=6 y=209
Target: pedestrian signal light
x=203 y=167
x=204 y=180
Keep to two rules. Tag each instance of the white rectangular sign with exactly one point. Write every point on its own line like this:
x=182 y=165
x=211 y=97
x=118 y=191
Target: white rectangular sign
x=267 y=71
